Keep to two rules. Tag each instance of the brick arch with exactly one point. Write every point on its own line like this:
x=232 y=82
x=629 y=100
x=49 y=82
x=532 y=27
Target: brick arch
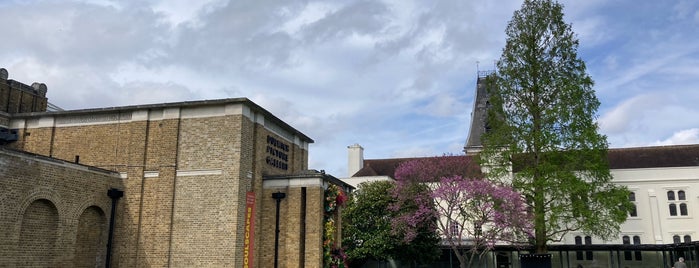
x=73 y=213
x=39 y=230
x=91 y=239
x=41 y=193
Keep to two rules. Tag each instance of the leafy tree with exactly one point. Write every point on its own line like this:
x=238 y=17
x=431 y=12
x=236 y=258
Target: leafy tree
x=472 y=215
x=542 y=126
x=367 y=232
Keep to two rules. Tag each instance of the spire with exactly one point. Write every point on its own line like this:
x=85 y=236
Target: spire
x=479 y=114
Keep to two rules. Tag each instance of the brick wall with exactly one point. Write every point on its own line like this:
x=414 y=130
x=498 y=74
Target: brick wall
x=4 y=119
x=301 y=220
x=45 y=204
x=91 y=238
x=187 y=172
x=16 y=97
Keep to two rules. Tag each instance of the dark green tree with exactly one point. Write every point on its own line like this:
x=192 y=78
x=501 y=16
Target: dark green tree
x=542 y=127
x=367 y=233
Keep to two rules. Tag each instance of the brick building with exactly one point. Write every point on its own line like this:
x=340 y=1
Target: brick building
x=195 y=176
x=53 y=213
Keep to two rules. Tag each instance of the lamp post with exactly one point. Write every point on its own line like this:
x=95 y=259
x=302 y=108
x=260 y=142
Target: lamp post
x=277 y=196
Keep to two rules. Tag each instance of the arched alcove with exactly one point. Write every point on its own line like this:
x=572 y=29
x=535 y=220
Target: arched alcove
x=90 y=242
x=38 y=234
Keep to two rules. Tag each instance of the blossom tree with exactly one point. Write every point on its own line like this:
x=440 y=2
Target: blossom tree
x=472 y=214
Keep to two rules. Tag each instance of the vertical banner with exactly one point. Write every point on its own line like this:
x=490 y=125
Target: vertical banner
x=248 y=248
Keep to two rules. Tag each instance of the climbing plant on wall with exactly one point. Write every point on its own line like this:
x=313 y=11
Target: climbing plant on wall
x=333 y=255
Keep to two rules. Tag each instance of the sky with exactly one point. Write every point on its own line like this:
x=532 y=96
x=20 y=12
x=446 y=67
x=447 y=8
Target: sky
x=397 y=77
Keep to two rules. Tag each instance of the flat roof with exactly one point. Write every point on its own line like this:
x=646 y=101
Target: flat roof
x=245 y=101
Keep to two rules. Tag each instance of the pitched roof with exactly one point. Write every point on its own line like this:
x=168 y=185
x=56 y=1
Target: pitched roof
x=619 y=158
x=387 y=167
x=654 y=157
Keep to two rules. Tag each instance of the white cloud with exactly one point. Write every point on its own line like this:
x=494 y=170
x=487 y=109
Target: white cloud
x=395 y=76
x=687 y=136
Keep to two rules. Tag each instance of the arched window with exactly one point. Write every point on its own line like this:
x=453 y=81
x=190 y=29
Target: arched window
x=683 y=209
x=578 y=254
x=626 y=241
x=632 y=198
x=454 y=229
x=676 y=239
x=681 y=197
x=588 y=254
x=687 y=239
x=673 y=210
x=637 y=254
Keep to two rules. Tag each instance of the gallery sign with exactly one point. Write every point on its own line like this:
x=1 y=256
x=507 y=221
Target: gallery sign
x=277 y=153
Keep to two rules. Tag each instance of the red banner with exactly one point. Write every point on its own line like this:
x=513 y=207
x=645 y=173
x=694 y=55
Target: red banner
x=249 y=248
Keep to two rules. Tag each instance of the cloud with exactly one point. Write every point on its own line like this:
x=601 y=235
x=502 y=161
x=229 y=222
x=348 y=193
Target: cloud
x=640 y=120
x=398 y=77
x=687 y=136
x=621 y=118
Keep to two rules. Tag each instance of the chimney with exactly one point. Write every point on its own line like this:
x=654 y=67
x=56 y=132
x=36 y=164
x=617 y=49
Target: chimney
x=355 y=159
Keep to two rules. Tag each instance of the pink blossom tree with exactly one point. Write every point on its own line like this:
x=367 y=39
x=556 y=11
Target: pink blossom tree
x=471 y=214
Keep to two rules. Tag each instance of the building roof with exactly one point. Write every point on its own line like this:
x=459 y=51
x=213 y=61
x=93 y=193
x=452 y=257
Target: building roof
x=619 y=158
x=245 y=101
x=387 y=167
x=654 y=157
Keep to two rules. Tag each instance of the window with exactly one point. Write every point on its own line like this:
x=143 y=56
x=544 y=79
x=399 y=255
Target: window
x=454 y=230
x=637 y=254
x=683 y=209
x=626 y=241
x=588 y=254
x=578 y=254
x=628 y=255
x=687 y=239
x=632 y=198
x=673 y=210
x=676 y=239
x=681 y=201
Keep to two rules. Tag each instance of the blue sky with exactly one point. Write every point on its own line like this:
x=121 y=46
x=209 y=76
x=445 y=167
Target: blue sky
x=397 y=77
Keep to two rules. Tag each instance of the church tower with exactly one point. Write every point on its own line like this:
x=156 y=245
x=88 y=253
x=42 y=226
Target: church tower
x=479 y=114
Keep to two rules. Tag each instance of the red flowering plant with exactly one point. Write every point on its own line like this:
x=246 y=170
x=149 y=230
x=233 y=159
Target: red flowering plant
x=333 y=256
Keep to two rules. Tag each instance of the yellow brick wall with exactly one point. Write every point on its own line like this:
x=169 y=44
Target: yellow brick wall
x=178 y=221
x=16 y=100
x=42 y=207
x=266 y=206
x=297 y=247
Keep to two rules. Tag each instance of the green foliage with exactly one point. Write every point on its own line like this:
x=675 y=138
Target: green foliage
x=542 y=121
x=367 y=232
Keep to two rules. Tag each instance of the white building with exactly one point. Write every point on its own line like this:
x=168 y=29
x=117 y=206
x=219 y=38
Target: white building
x=664 y=181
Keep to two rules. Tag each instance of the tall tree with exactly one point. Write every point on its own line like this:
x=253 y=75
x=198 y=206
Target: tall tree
x=472 y=215
x=367 y=233
x=542 y=126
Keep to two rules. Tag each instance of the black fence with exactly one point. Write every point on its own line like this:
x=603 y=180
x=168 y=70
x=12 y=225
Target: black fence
x=571 y=256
